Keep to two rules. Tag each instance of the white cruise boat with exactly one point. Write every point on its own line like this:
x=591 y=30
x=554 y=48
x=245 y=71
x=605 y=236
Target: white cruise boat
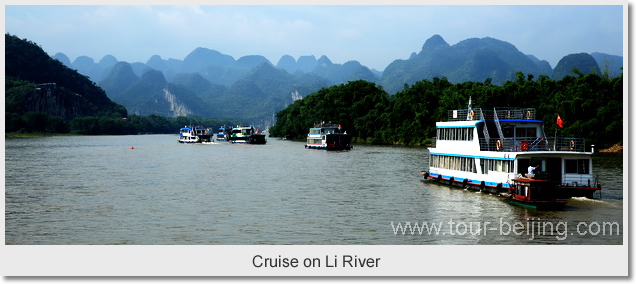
x=328 y=136
x=195 y=135
x=247 y=135
x=493 y=149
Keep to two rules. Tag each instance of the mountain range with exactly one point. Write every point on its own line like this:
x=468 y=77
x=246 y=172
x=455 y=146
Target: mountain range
x=251 y=88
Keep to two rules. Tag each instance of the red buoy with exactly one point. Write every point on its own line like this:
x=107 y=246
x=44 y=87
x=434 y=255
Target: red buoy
x=131 y=147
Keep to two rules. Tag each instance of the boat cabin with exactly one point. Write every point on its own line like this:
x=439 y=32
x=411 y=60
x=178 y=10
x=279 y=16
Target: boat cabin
x=328 y=136
x=539 y=194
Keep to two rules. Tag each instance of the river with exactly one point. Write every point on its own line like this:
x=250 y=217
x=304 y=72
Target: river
x=149 y=189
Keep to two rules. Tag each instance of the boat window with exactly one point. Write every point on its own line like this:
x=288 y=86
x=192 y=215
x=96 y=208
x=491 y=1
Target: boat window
x=508 y=131
x=578 y=166
x=526 y=132
x=457 y=134
x=465 y=164
x=504 y=166
x=522 y=190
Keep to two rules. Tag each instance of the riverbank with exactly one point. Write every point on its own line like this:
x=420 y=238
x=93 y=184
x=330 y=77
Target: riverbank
x=615 y=149
x=30 y=135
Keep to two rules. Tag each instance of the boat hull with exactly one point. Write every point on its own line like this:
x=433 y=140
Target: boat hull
x=560 y=192
x=253 y=139
x=327 y=147
x=489 y=186
x=540 y=205
x=258 y=139
x=199 y=139
x=334 y=142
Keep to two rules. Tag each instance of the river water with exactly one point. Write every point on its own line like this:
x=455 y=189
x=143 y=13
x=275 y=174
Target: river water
x=98 y=190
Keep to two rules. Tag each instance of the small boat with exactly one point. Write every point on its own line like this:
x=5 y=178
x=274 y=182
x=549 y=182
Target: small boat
x=196 y=134
x=221 y=135
x=495 y=150
x=535 y=194
x=328 y=136
x=247 y=135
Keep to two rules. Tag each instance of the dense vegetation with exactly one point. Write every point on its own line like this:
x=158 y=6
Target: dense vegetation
x=590 y=105
x=37 y=122
x=27 y=66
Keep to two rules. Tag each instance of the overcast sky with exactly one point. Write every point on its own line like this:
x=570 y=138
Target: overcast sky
x=373 y=35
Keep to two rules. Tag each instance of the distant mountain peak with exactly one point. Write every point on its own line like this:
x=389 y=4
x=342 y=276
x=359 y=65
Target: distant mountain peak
x=202 y=57
x=250 y=61
x=288 y=63
x=154 y=76
x=435 y=42
x=63 y=58
x=108 y=60
x=473 y=59
x=263 y=67
x=324 y=61
x=583 y=62
x=306 y=63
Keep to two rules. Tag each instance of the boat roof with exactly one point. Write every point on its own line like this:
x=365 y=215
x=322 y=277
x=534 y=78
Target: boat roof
x=531 y=181
x=327 y=125
x=472 y=123
x=497 y=113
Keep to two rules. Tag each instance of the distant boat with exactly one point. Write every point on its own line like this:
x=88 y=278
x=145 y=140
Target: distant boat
x=196 y=134
x=247 y=135
x=222 y=134
x=328 y=136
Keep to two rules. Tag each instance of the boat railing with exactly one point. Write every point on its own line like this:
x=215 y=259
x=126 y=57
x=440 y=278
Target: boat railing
x=525 y=144
x=582 y=180
x=500 y=113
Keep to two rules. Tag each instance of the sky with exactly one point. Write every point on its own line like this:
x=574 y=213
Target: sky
x=374 y=35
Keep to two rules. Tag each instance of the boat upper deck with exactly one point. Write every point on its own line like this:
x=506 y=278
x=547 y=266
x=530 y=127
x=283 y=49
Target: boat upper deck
x=502 y=129
x=325 y=128
x=499 y=113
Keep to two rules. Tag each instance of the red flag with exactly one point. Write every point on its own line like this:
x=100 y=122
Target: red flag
x=559 y=121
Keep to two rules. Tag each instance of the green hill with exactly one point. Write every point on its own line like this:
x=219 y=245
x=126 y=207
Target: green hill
x=39 y=84
x=583 y=62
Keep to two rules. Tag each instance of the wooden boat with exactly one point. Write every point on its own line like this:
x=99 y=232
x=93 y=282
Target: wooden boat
x=535 y=194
